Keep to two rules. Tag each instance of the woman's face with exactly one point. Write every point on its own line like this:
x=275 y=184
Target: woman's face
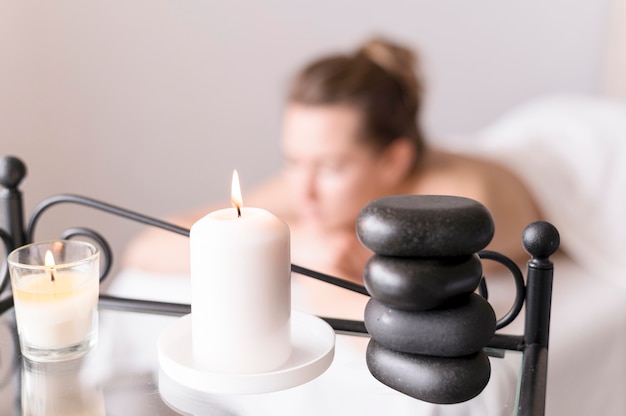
x=332 y=173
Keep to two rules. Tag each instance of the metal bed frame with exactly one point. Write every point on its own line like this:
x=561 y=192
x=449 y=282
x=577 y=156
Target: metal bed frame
x=540 y=239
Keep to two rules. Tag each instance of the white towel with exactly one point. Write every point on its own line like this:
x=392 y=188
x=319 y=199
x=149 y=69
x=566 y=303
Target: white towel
x=571 y=153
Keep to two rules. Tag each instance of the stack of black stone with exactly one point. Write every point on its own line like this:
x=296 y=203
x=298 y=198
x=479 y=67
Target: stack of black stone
x=428 y=327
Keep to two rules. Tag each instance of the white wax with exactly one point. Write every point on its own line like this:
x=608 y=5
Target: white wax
x=240 y=291
x=56 y=314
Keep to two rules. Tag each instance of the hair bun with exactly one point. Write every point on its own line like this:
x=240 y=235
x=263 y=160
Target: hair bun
x=397 y=60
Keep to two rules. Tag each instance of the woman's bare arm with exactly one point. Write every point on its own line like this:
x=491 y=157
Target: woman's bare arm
x=159 y=251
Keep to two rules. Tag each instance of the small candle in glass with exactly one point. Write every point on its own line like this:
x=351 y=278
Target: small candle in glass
x=55 y=291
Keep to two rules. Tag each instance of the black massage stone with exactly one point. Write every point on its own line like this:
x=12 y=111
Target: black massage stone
x=420 y=284
x=425 y=226
x=431 y=379
x=458 y=329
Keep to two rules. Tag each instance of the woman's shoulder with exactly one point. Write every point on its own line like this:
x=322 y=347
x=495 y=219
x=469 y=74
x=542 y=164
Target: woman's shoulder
x=451 y=174
x=504 y=194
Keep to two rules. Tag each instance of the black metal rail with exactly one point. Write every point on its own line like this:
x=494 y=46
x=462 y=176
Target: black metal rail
x=540 y=240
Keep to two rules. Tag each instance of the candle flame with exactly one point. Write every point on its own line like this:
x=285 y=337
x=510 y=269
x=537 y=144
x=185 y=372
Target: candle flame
x=49 y=262
x=235 y=193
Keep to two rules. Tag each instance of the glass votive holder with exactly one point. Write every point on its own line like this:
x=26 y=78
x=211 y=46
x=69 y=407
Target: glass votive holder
x=55 y=291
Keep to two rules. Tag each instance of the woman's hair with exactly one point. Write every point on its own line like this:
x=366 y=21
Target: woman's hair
x=379 y=80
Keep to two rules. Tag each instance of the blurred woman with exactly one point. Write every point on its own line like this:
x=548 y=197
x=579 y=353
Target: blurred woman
x=351 y=134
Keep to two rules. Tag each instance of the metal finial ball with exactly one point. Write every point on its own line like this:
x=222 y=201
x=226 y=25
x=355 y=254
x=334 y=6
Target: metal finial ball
x=12 y=171
x=541 y=239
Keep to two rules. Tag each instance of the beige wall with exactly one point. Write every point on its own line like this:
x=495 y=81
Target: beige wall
x=615 y=64
x=151 y=104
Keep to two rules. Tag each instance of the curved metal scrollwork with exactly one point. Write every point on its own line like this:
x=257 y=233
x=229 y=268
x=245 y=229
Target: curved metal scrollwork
x=518 y=278
x=134 y=216
x=100 y=206
x=105 y=248
x=4 y=272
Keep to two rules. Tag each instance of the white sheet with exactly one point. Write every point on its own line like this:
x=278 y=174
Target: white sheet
x=586 y=372
x=586 y=364
x=346 y=388
x=571 y=152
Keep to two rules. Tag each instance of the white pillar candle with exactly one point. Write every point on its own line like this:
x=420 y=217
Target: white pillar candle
x=240 y=283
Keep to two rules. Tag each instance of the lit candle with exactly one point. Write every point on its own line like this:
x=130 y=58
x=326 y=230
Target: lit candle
x=240 y=283
x=55 y=302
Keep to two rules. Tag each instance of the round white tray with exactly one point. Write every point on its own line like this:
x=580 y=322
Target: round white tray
x=312 y=352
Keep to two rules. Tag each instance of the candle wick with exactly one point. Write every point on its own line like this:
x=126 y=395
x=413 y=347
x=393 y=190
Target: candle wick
x=52 y=275
x=238 y=212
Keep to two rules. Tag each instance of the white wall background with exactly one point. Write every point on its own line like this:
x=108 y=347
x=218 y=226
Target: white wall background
x=150 y=104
